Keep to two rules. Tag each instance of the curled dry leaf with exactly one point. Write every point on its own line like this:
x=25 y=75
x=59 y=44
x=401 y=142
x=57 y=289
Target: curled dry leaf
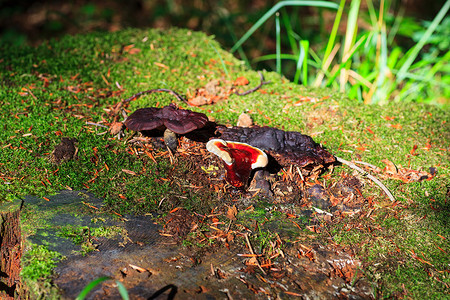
x=404 y=174
x=232 y=212
x=198 y=101
x=244 y=120
x=129 y=172
x=115 y=128
x=240 y=81
x=390 y=168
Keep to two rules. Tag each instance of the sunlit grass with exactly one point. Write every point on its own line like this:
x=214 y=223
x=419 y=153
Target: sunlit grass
x=366 y=63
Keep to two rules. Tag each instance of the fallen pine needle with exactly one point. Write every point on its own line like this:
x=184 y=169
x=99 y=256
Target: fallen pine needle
x=249 y=255
x=293 y=294
x=139 y=269
x=87 y=204
x=295 y=223
x=441 y=249
x=165 y=234
x=252 y=252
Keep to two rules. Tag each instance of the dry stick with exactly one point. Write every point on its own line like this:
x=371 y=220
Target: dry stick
x=366 y=164
x=255 y=88
x=364 y=173
x=135 y=96
x=253 y=253
x=96 y=124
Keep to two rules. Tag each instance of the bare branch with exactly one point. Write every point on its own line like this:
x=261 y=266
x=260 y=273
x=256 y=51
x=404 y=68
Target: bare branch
x=255 y=88
x=135 y=96
x=364 y=173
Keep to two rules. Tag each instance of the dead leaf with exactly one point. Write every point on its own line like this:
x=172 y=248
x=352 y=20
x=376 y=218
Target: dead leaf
x=115 y=128
x=198 y=101
x=129 y=172
x=240 y=81
x=396 y=126
x=244 y=120
x=232 y=212
x=134 y=51
x=390 y=167
x=212 y=87
x=161 y=65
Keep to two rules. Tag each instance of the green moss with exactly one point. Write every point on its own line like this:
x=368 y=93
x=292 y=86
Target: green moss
x=85 y=235
x=37 y=271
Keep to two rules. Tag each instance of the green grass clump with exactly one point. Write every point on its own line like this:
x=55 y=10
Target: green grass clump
x=367 y=61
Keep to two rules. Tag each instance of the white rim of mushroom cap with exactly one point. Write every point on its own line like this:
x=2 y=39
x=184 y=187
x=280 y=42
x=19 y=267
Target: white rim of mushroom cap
x=260 y=162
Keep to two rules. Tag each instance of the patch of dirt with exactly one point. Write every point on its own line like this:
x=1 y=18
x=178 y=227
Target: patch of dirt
x=64 y=151
x=179 y=222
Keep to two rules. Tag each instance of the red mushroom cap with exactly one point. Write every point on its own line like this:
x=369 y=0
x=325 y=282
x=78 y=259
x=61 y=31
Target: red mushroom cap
x=239 y=159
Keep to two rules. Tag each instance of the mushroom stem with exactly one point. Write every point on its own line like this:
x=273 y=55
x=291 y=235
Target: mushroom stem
x=170 y=139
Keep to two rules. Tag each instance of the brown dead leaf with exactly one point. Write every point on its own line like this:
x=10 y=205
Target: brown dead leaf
x=129 y=172
x=134 y=51
x=252 y=261
x=198 y=101
x=390 y=168
x=404 y=174
x=161 y=65
x=115 y=128
x=232 y=212
x=240 y=81
x=244 y=120
x=395 y=126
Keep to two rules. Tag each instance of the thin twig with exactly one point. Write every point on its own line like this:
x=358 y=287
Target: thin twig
x=364 y=173
x=96 y=124
x=135 y=96
x=253 y=253
x=255 y=88
x=366 y=164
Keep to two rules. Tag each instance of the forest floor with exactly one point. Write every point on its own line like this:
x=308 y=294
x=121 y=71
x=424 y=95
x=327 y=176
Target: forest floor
x=163 y=222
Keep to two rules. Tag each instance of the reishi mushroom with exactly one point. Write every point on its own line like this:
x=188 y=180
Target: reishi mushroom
x=173 y=120
x=238 y=158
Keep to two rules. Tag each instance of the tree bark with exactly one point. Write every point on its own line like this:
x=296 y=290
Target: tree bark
x=10 y=249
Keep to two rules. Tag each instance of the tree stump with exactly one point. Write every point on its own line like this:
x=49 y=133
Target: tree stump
x=10 y=249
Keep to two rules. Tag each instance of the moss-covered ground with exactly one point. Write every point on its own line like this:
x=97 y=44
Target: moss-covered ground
x=61 y=88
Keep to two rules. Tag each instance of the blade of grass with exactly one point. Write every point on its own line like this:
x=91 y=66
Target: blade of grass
x=416 y=48
x=122 y=291
x=395 y=27
x=87 y=289
x=301 y=58
x=278 y=41
x=224 y=67
x=305 y=47
x=274 y=57
x=347 y=57
x=349 y=41
x=381 y=89
x=333 y=34
x=331 y=46
x=289 y=31
x=234 y=38
x=274 y=9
